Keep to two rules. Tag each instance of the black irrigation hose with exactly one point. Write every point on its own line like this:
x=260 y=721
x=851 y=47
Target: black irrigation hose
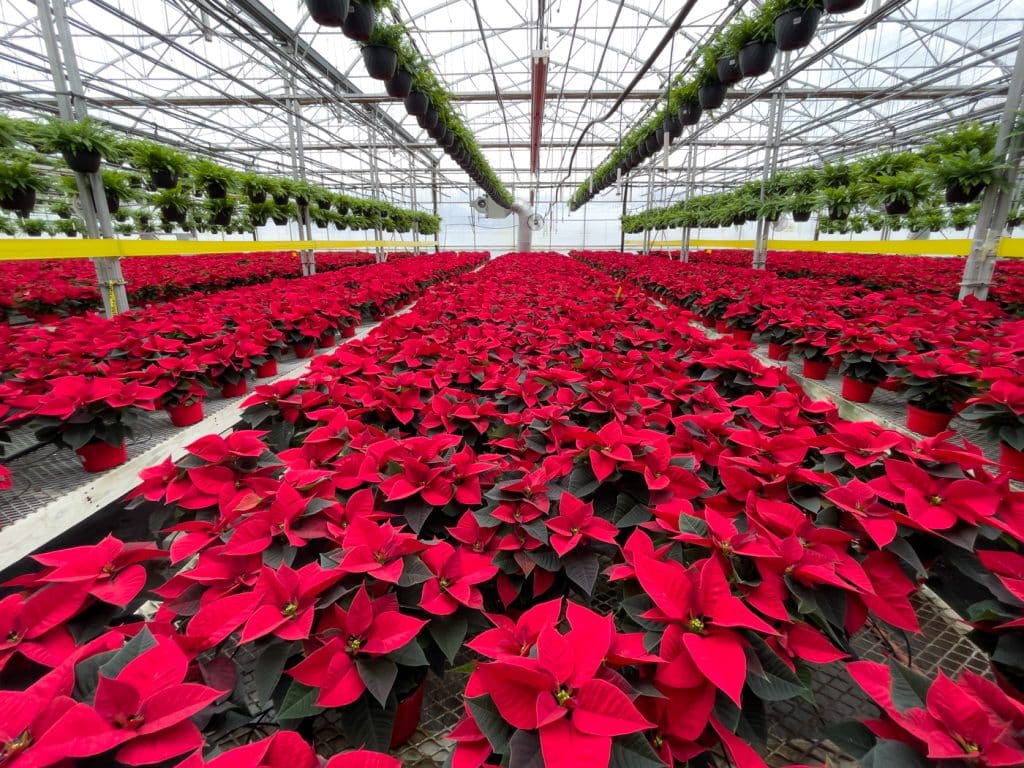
x=669 y=34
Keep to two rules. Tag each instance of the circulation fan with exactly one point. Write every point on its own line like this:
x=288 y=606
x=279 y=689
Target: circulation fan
x=535 y=222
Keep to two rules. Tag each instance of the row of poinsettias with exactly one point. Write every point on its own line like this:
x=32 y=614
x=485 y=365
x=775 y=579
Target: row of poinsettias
x=941 y=354
x=82 y=382
x=47 y=290
x=452 y=479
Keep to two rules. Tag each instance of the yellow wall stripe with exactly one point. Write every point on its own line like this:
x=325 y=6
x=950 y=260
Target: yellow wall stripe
x=24 y=250
x=1009 y=248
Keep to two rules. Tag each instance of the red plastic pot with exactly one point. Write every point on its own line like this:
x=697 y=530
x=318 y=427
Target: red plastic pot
x=303 y=350
x=892 y=385
x=857 y=391
x=407 y=716
x=926 y=422
x=741 y=335
x=99 y=456
x=817 y=369
x=326 y=340
x=347 y=331
x=186 y=415
x=778 y=351
x=235 y=390
x=1012 y=461
x=721 y=326
x=267 y=370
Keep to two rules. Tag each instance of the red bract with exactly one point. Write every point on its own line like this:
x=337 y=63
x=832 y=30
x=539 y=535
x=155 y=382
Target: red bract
x=455 y=574
x=148 y=706
x=377 y=549
x=970 y=720
x=368 y=629
x=576 y=524
x=363 y=758
x=701 y=640
x=34 y=626
x=111 y=569
x=38 y=730
x=516 y=638
x=285 y=749
x=559 y=694
x=284 y=600
x=936 y=503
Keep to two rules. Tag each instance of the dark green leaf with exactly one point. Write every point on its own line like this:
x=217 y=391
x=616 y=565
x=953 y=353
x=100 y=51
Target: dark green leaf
x=269 y=667
x=414 y=572
x=582 y=568
x=134 y=648
x=449 y=632
x=909 y=689
x=525 y=751
x=893 y=754
x=299 y=702
x=633 y=751
x=692 y=525
x=492 y=725
x=365 y=724
x=378 y=675
x=409 y=655
x=853 y=737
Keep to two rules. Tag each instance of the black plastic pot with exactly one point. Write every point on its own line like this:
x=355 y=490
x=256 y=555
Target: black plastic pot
x=651 y=144
x=449 y=140
x=842 y=6
x=437 y=131
x=173 y=215
x=222 y=218
x=958 y=195
x=728 y=68
x=756 y=58
x=258 y=198
x=302 y=202
x=280 y=220
x=328 y=13
x=281 y=199
x=838 y=215
x=358 y=25
x=417 y=103
x=399 y=86
x=689 y=114
x=801 y=215
x=897 y=208
x=429 y=120
x=113 y=203
x=381 y=62
x=82 y=162
x=22 y=200
x=711 y=95
x=795 y=28
x=216 y=191
x=674 y=127
x=257 y=221
x=739 y=221
x=164 y=179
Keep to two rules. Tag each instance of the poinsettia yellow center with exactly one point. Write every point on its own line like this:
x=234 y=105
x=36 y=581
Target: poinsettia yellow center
x=574 y=530
x=14 y=748
x=444 y=582
x=935 y=500
x=129 y=722
x=290 y=609
x=381 y=556
x=107 y=569
x=696 y=625
x=563 y=697
x=13 y=638
x=658 y=741
x=355 y=644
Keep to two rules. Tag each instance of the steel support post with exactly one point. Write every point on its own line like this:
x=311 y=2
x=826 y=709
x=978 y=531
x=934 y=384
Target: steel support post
x=434 y=199
x=413 y=205
x=295 y=141
x=375 y=180
x=995 y=205
x=92 y=199
x=771 y=161
x=650 y=200
x=622 y=232
x=691 y=163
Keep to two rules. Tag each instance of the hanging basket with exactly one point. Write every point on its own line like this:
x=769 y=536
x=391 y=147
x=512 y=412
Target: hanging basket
x=801 y=216
x=216 y=191
x=163 y=179
x=842 y=6
x=417 y=103
x=795 y=28
x=328 y=13
x=20 y=200
x=429 y=120
x=359 y=23
x=173 y=215
x=728 y=68
x=928 y=423
x=113 y=202
x=186 y=415
x=756 y=58
x=689 y=114
x=381 y=62
x=674 y=127
x=897 y=208
x=99 y=456
x=82 y=162
x=958 y=195
x=399 y=86
x=711 y=95
x=222 y=218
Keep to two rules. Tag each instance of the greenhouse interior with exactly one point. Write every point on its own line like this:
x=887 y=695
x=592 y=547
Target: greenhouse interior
x=481 y=384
